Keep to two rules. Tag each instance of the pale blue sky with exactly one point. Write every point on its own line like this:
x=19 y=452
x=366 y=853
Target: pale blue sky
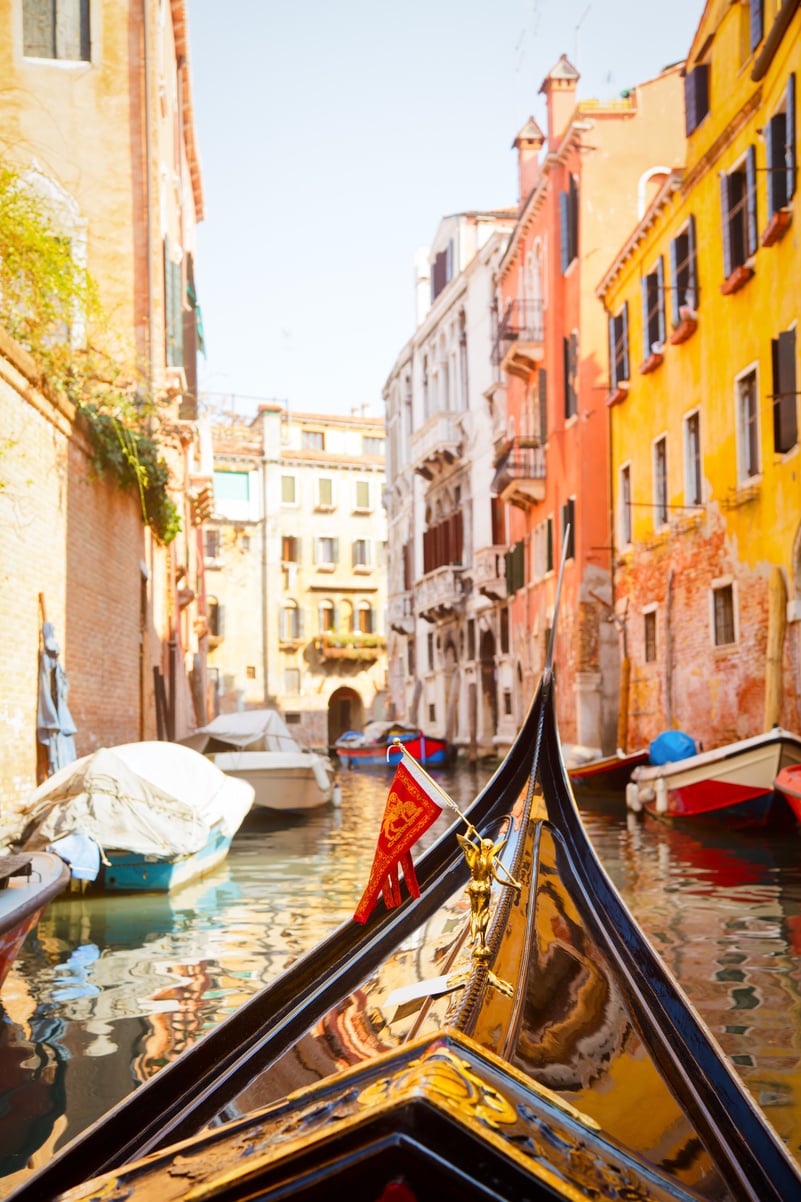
x=335 y=134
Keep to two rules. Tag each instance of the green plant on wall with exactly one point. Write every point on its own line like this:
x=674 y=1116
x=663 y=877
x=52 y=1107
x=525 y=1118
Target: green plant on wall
x=43 y=292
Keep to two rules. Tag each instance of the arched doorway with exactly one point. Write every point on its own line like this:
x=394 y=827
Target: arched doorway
x=345 y=712
x=488 y=705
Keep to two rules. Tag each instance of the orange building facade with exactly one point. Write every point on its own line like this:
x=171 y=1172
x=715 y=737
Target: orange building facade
x=583 y=185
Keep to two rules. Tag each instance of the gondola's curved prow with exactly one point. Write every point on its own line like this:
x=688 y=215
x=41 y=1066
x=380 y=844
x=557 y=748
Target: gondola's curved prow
x=191 y=1091
x=749 y=1154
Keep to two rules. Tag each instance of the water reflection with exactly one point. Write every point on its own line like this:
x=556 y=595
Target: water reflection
x=107 y=991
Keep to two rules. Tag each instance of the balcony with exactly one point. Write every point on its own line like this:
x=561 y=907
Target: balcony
x=520 y=473
x=436 y=445
x=489 y=572
x=441 y=593
x=401 y=613
x=520 y=341
x=350 y=646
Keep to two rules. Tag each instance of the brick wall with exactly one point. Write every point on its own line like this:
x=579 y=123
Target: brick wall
x=79 y=543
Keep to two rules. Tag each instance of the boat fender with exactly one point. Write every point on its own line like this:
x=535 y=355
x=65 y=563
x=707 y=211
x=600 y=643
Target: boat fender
x=661 y=796
x=336 y=796
x=633 y=802
x=320 y=774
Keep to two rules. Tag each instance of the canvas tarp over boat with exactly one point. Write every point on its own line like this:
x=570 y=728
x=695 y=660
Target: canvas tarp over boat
x=256 y=730
x=153 y=798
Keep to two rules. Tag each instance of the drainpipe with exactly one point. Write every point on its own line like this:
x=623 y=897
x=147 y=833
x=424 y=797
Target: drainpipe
x=264 y=567
x=151 y=309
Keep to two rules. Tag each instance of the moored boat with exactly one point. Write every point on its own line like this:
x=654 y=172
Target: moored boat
x=257 y=746
x=731 y=784
x=139 y=817
x=28 y=883
x=607 y=773
x=378 y=746
x=788 y=783
x=506 y=1033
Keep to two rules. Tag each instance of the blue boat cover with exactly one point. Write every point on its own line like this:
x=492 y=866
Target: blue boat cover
x=671 y=745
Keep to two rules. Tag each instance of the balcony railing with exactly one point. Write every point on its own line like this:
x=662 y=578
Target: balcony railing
x=441 y=592
x=400 y=613
x=520 y=473
x=436 y=444
x=351 y=646
x=489 y=572
x=519 y=345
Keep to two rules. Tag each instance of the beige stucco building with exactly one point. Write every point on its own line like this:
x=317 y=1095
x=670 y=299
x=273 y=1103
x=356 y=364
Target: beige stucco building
x=295 y=569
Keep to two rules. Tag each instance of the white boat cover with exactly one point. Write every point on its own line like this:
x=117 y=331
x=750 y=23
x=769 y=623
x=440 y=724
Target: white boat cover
x=153 y=798
x=258 y=730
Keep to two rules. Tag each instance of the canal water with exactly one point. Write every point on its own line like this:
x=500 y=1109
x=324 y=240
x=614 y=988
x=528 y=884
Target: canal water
x=108 y=990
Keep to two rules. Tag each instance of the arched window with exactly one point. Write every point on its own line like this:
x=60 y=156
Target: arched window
x=365 y=614
x=327 y=617
x=291 y=621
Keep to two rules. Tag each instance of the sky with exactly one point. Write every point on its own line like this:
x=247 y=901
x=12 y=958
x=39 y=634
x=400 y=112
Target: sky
x=334 y=135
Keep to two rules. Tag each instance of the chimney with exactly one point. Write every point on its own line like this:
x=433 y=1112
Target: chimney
x=528 y=144
x=559 y=89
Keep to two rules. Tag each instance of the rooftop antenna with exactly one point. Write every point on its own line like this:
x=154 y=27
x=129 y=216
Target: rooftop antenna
x=579 y=24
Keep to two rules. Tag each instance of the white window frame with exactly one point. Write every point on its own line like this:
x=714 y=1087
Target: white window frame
x=661 y=504
x=744 y=478
x=715 y=585
x=690 y=497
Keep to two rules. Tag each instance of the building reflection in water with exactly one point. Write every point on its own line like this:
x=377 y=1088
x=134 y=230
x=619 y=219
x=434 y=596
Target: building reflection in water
x=108 y=990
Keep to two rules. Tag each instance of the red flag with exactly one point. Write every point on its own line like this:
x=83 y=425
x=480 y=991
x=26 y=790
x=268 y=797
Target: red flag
x=409 y=812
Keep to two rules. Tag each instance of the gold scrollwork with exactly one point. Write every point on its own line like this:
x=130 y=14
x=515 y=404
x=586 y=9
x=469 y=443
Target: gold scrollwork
x=443 y=1074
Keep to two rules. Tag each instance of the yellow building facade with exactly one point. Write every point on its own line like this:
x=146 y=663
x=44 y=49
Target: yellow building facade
x=703 y=305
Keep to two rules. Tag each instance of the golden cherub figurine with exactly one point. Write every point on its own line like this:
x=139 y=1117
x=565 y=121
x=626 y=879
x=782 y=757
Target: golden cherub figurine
x=484 y=864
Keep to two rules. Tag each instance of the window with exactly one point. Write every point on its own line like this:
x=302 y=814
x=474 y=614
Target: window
x=653 y=312
x=365 y=617
x=290 y=548
x=313 y=440
x=287 y=490
x=212 y=543
x=619 y=348
x=250 y=672
x=757 y=22
x=660 y=482
x=569 y=527
x=410 y=657
x=684 y=274
x=430 y=642
x=173 y=309
x=56 y=29
x=442 y=270
x=781 y=152
x=372 y=446
x=747 y=427
x=471 y=638
x=215 y=617
x=739 y=214
x=292 y=681
x=542 y=403
x=723 y=614
x=326 y=552
x=692 y=459
x=515 y=567
x=361 y=553
x=568 y=214
x=290 y=621
x=326 y=617
x=625 y=505
x=570 y=358
x=649 y=636
x=232 y=495
x=696 y=96
x=785 y=404
x=362 y=503
x=325 y=493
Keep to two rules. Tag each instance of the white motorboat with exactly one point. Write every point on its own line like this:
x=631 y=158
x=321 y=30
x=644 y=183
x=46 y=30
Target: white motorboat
x=257 y=746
